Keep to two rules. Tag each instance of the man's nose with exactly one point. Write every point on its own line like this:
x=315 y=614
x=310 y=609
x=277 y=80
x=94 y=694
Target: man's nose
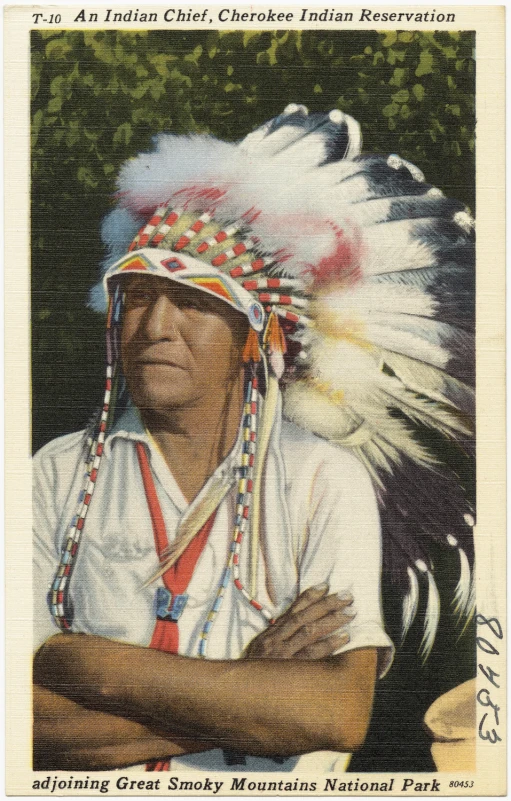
x=162 y=319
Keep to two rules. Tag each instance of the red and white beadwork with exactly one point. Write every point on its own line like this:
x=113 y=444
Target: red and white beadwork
x=170 y=220
x=58 y=600
x=284 y=300
x=192 y=231
x=157 y=228
x=245 y=487
x=255 y=284
x=252 y=267
x=147 y=230
x=232 y=253
x=220 y=237
x=299 y=319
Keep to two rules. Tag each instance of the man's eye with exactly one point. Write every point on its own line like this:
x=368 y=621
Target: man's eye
x=196 y=304
x=138 y=297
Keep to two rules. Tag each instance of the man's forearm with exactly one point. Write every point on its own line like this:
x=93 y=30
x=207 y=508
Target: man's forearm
x=262 y=707
x=67 y=736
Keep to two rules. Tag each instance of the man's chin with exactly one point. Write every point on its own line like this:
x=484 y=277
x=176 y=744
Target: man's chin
x=161 y=402
x=161 y=406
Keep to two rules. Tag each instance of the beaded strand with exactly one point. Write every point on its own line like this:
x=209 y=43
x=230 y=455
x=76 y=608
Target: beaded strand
x=221 y=236
x=245 y=486
x=58 y=599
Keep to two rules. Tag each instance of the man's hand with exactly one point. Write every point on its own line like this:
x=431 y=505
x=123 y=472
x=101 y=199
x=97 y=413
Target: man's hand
x=309 y=629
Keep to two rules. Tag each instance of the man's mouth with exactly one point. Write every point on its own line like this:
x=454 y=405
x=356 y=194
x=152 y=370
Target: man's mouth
x=159 y=362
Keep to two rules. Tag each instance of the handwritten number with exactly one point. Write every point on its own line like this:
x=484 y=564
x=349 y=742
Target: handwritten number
x=493 y=623
x=483 y=696
x=486 y=646
x=492 y=735
x=490 y=674
x=484 y=693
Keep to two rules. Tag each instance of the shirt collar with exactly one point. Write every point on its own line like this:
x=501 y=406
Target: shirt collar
x=129 y=426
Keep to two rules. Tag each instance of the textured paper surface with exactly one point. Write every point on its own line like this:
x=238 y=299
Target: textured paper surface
x=489 y=777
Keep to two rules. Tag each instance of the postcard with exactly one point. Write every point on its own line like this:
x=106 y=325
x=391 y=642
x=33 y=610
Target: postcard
x=255 y=440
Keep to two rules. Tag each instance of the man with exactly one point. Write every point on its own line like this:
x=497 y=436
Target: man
x=201 y=536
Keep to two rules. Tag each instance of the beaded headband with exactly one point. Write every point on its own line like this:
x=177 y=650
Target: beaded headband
x=183 y=269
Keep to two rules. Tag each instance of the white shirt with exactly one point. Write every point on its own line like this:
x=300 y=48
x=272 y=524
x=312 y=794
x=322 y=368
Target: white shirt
x=319 y=522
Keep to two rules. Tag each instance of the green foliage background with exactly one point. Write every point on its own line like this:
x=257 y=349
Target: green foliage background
x=98 y=97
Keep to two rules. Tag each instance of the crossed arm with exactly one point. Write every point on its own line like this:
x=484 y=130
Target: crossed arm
x=102 y=704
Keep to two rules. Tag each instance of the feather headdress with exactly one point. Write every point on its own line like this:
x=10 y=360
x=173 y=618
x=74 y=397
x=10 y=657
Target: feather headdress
x=361 y=276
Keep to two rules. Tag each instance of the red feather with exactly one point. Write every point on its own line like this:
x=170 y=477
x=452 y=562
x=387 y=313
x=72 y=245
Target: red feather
x=342 y=265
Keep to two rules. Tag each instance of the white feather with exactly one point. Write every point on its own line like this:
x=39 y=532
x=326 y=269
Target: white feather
x=464 y=220
x=375 y=458
x=462 y=593
x=410 y=602
x=472 y=598
x=396 y=162
x=409 y=343
x=344 y=172
x=262 y=141
x=364 y=391
x=428 y=380
x=367 y=298
x=277 y=363
x=425 y=411
x=311 y=409
x=178 y=162
x=432 y=617
x=372 y=212
x=254 y=140
x=353 y=185
x=305 y=153
x=394 y=246
x=354 y=136
x=273 y=143
x=366 y=457
x=355 y=427
x=352 y=370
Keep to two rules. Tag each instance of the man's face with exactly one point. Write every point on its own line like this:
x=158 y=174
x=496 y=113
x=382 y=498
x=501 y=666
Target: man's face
x=179 y=345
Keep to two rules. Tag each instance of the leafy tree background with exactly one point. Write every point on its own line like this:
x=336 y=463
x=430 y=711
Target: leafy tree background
x=98 y=97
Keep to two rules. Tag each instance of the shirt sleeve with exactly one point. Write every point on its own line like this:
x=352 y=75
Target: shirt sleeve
x=343 y=548
x=55 y=476
x=44 y=552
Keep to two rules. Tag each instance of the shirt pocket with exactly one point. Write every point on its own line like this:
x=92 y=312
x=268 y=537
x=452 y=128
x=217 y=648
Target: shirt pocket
x=125 y=546
x=108 y=593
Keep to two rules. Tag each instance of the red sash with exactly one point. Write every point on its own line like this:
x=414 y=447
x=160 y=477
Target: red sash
x=171 y=600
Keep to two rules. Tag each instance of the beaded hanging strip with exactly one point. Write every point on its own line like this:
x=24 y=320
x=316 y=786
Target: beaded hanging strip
x=245 y=486
x=58 y=596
